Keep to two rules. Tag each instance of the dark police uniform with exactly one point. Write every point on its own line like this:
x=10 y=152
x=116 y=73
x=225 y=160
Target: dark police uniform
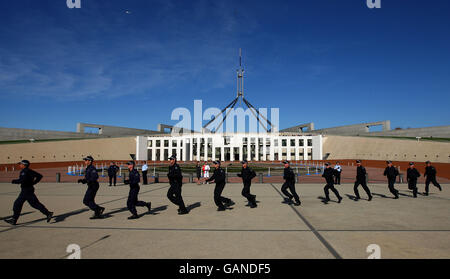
x=391 y=173
x=91 y=177
x=27 y=179
x=412 y=175
x=176 y=181
x=430 y=174
x=219 y=177
x=112 y=173
x=247 y=174
x=289 y=177
x=329 y=174
x=361 y=180
x=133 y=201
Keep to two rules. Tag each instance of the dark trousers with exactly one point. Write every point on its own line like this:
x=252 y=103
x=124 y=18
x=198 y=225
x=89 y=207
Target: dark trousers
x=432 y=180
x=174 y=195
x=364 y=185
x=338 y=178
x=133 y=201
x=89 y=197
x=111 y=178
x=29 y=196
x=144 y=177
x=391 y=183
x=246 y=192
x=412 y=185
x=218 y=199
x=330 y=186
x=291 y=187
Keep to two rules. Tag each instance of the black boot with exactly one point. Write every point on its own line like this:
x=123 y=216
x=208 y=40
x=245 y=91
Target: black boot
x=149 y=206
x=370 y=198
x=12 y=221
x=297 y=203
x=49 y=217
x=134 y=216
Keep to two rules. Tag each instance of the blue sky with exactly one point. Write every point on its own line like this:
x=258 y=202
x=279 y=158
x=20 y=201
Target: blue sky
x=324 y=61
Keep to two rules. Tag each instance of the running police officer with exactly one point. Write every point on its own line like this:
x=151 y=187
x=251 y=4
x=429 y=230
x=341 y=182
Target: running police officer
x=430 y=174
x=289 y=178
x=176 y=181
x=391 y=173
x=133 y=201
x=247 y=174
x=219 y=178
x=329 y=174
x=412 y=175
x=91 y=179
x=361 y=180
x=112 y=173
x=27 y=179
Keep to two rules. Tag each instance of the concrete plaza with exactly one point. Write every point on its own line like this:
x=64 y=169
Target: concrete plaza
x=403 y=228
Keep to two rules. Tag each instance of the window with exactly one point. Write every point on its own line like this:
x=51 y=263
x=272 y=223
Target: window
x=226 y=140
x=292 y=142
x=301 y=142
x=310 y=142
x=283 y=142
x=275 y=143
x=150 y=143
x=166 y=143
x=244 y=140
x=174 y=143
x=158 y=143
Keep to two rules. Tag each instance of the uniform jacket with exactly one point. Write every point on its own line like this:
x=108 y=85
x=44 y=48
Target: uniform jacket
x=329 y=173
x=289 y=175
x=135 y=178
x=247 y=174
x=361 y=173
x=112 y=170
x=391 y=172
x=28 y=178
x=175 y=175
x=412 y=174
x=91 y=174
x=430 y=172
x=218 y=176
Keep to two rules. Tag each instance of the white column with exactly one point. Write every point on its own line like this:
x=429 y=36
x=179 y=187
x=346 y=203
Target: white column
x=213 y=152
x=198 y=149
x=288 y=149
x=170 y=146
x=232 y=153
x=256 y=148
x=222 y=154
x=205 y=154
x=272 y=149
x=264 y=149
x=191 y=151
x=241 y=156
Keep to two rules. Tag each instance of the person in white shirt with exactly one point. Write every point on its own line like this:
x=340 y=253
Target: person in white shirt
x=337 y=178
x=206 y=169
x=144 y=172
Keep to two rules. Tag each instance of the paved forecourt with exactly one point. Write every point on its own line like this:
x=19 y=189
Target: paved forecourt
x=403 y=228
